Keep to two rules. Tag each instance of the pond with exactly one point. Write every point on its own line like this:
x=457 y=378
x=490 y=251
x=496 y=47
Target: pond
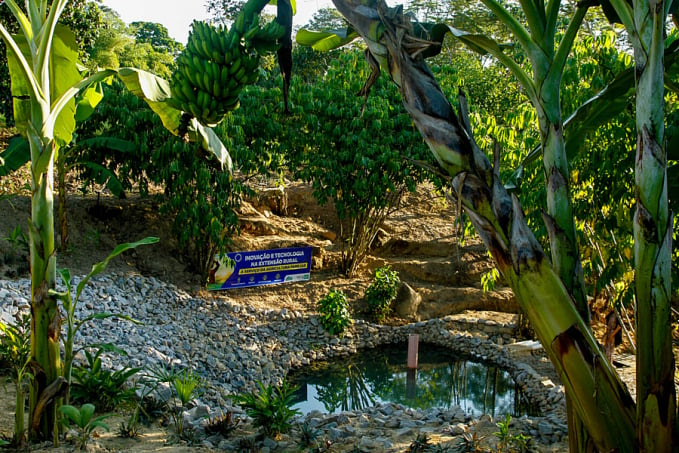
x=442 y=380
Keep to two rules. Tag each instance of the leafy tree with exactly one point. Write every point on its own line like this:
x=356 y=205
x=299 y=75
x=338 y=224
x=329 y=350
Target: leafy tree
x=145 y=56
x=226 y=10
x=143 y=45
x=326 y=19
x=156 y=35
x=344 y=145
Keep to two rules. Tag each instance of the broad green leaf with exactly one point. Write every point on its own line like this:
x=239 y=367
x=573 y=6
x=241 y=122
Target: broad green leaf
x=100 y=316
x=99 y=423
x=72 y=413
x=19 y=87
x=63 y=68
x=155 y=91
x=15 y=156
x=102 y=175
x=86 y=413
x=210 y=143
x=604 y=106
x=65 y=74
x=598 y=110
x=88 y=101
x=325 y=41
x=114 y=143
x=109 y=347
x=65 y=275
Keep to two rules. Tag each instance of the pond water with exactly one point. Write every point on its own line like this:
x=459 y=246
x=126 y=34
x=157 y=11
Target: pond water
x=442 y=379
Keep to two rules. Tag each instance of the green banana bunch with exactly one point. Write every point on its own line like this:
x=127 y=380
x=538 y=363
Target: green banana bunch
x=217 y=64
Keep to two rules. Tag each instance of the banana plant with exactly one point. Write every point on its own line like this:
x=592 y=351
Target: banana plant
x=656 y=427
x=70 y=304
x=44 y=111
x=589 y=379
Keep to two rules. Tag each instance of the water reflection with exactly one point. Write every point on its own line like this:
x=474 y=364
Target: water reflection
x=378 y=376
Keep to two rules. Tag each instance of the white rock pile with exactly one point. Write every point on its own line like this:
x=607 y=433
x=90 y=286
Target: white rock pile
x=233 y=347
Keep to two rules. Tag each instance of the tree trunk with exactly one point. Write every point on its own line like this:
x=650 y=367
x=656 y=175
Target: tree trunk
x=598 y=396
x=656 y=394
x=45 y=317
x=559 y=218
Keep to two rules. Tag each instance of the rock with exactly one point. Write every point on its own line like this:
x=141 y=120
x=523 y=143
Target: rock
x=233 y=346
x=458 y=429
x=407 y=302
x=329 y=235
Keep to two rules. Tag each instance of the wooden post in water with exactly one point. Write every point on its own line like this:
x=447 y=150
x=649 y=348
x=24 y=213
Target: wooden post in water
x=411 y=375
x=413 y=343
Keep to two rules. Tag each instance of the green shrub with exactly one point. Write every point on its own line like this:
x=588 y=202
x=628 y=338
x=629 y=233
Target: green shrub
x=15 y=354
x=106 y=388
x=382 y=292
x=360 y=154
x=334 y=311
x=129 y=140
x=186 y=385
x=82 y=419
x=270 y=407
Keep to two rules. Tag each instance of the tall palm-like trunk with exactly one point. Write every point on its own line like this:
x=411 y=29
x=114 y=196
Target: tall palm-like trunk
x=45 y=317
x=548 y=67
x=598 y=397
x=656 y=394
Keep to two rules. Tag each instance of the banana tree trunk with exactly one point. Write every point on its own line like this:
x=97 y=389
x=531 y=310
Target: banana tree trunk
x=45 y=317
x=559 y=217
x=599 y=398
x=656 y=394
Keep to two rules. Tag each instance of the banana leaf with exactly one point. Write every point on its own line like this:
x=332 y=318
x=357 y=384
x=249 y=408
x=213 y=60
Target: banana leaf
x=15 y=156
x=102 y=175
x=601 y=108
x=327 y=40
x=65 y=74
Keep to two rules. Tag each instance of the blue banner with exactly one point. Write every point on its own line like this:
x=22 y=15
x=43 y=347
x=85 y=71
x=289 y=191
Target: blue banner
x=263 y=267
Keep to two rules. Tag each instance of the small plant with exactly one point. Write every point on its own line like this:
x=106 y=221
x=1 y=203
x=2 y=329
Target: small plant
x=420 y=444
x=334 y=311
x=382 y=292
x=469 y=443
x=105 y=387
x=489 y=279
x=130 y=429
x=18 y=240
x=223 y=424
x=82 y=419
x=307 y=436
x=270 y=407
x=151 y=409
x=186 y=386
x=70 y=304
x=15 y=351
x=508 y=441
